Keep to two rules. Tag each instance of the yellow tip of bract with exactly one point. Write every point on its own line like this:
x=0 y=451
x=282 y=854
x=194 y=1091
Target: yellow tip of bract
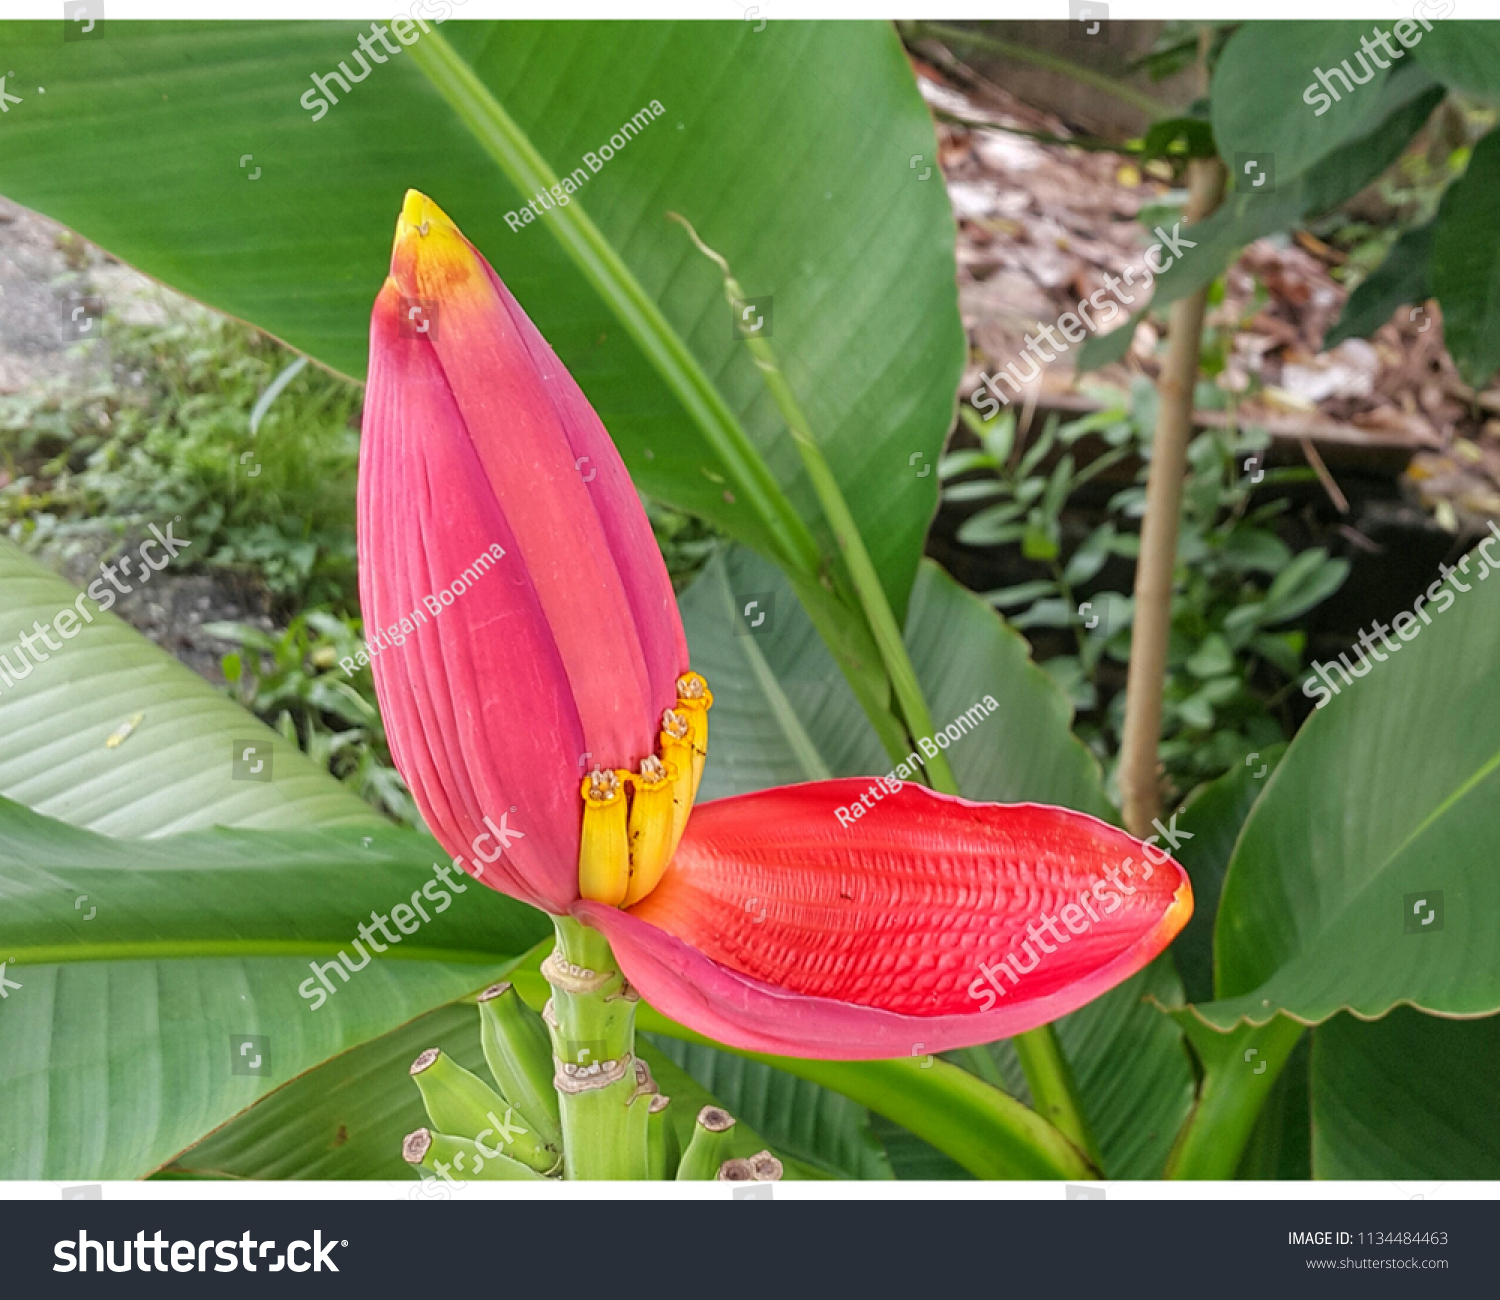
x=1181 y=910
x=431 y=259
x=421 y=216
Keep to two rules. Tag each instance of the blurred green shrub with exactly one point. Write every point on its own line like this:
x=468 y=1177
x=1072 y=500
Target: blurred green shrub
x=1237 y=583
x=293 y=681
x=168 y=432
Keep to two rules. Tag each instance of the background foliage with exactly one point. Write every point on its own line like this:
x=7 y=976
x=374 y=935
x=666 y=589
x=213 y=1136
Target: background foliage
x=211 y=895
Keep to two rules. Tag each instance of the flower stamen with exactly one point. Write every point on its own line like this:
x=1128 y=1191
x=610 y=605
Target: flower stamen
x=633 y=821
x=653 y=820
x=694 y=700
x=604 y=850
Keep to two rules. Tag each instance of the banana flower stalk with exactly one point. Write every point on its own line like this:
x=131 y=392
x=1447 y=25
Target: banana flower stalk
x=533 y=674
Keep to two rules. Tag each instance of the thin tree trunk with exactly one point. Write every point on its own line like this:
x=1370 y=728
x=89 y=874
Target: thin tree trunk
x=1139 y=784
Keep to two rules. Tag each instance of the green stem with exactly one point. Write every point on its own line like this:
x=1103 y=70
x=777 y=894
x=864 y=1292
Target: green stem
x=988 y=1132
x=981 y=1127
x=1088 y=143
x=593 y=1039
x=848 y=638
x=867 y=585
x=1230 y=1100
x=981 y=1063
x=851 y=544
x=1051 y=1084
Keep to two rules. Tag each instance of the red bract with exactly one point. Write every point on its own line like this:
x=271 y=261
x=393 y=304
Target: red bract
x=559 y=660
x=559 y=654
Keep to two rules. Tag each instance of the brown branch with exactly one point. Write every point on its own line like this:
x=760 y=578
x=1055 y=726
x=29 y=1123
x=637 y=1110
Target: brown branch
x=1139 y=786
x=1330 y=486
